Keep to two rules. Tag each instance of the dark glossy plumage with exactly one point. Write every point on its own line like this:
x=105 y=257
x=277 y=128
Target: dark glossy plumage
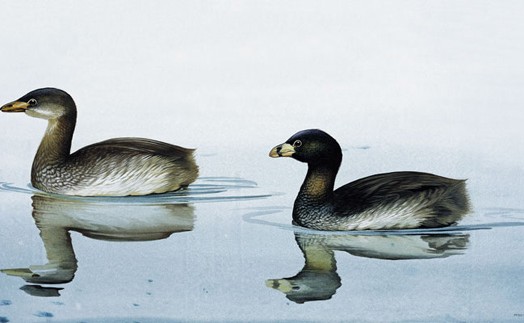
x=115 y=167
x=396 y=200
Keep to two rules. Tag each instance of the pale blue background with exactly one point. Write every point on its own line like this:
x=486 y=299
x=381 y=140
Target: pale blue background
x=434 y=86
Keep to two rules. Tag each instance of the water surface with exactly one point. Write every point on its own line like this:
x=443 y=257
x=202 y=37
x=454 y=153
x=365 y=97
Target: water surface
x=225 y=249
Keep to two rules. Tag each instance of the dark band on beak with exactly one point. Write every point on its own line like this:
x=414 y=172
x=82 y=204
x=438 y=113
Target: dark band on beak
x=283 y=150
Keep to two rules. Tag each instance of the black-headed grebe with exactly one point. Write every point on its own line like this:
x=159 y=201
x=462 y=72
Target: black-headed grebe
x=397 y=200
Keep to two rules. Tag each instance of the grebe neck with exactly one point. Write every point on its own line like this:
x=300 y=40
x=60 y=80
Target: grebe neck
x=319 y=183
x=55 y=146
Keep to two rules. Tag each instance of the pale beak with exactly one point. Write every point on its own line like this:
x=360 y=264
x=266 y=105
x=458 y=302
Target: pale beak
x=280 y=284
x=284 y=150
x=16 y=106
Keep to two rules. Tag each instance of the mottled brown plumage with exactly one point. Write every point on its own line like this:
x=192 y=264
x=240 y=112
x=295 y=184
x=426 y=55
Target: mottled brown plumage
x=115 y=167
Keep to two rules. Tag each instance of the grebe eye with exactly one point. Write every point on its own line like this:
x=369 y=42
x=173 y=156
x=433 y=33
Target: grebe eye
x=32 y=102
x=297 y=143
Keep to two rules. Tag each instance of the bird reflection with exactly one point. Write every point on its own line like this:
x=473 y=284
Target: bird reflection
x=319 y=280
x=56 y=217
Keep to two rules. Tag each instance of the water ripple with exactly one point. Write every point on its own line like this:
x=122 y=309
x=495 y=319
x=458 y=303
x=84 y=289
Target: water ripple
x=205 y=189
x=258 y=216
x=506 y=213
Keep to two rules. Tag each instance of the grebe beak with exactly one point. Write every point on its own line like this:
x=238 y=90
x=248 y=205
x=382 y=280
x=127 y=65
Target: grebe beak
x=16 y=106
x=283 y=150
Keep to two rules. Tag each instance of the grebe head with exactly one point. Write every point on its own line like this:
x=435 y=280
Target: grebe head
x=46 y=103
x=312 y=146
